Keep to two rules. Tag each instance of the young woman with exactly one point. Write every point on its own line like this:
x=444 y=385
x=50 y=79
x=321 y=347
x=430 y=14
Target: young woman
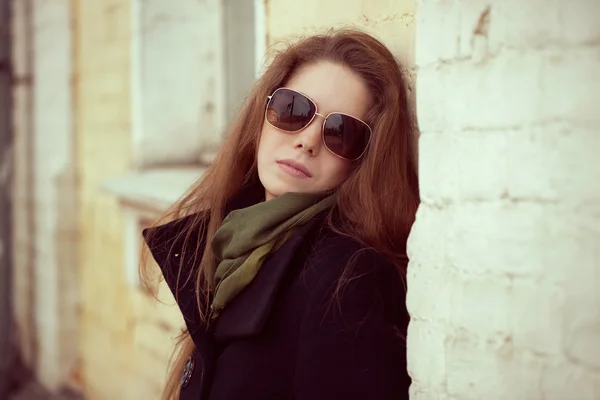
x=287 y=257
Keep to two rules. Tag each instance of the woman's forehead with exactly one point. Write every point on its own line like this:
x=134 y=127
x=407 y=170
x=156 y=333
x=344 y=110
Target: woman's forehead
x=334 y=88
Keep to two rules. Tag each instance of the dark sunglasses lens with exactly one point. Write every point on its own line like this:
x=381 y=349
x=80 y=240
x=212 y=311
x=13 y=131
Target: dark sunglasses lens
x=346 y=136
x=289 y=111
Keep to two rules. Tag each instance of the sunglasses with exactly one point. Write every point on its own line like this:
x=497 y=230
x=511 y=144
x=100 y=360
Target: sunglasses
x=343 y=135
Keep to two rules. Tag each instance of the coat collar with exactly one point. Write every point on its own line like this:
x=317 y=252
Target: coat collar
x=247 y=313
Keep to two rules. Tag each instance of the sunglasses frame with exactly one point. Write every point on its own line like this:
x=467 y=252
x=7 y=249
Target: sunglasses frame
x=322 y=126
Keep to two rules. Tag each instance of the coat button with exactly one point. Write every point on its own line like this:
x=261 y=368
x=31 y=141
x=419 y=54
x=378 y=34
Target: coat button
x=186 y=374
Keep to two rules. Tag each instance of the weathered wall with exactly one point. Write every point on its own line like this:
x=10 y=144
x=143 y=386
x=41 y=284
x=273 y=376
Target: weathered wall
x=102 y=116
x=45 y=273
x=22 y=234
x=126 y=335
x=6 y=173
x=391 y=21
x=503 y=279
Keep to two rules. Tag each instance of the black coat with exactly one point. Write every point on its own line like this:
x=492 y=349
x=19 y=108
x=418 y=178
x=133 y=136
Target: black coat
x=286 y=336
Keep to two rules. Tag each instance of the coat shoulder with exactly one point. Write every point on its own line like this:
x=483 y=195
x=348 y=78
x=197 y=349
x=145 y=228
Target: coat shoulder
x=340 y=267
x=341 y=256
x=352 y=331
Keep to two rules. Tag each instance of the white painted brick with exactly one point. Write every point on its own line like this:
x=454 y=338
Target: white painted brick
x=504 y=252
x=510 y=90
x=430 y=109
x=429 y=234
x=571 y=255
x=469 y=35
x=542 y=23
x=581 y=311
x=452 y=29
x=481 y=228
x=503 y=92
x=424 y=279
x=469 y=166
x=419 y=393
x=473 y=300
x=579 y=21
x=505 y=305
x=524 y=24
x=535 y=241
x=438 y=175
x=552 y=162
x=536 y=308
x=490 y=370
x=564 y=380
x=481 y=165
x=430 y=370
x=437 y=31
x=581 y=343
x=571 y=79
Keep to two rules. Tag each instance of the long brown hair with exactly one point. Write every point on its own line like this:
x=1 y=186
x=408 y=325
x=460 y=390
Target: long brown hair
x=376 y=203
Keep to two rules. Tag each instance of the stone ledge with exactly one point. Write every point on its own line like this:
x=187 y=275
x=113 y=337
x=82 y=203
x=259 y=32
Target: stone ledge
x=153 y=190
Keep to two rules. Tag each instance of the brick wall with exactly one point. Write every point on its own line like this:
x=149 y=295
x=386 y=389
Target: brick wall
x=503 y=279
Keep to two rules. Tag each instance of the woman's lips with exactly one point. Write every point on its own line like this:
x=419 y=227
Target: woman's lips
x=294 y=168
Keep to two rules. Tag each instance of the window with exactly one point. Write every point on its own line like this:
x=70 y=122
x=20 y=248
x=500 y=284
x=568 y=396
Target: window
x=193 y=64
x=245 y=48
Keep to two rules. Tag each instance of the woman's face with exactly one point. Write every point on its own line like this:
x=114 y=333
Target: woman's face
x=333 y=88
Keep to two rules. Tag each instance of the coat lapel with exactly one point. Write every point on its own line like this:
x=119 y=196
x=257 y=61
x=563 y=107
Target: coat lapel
x=166 y=243
x=167 y=248
x=247 y=313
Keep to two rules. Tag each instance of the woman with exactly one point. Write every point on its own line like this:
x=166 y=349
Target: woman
x=287 y=257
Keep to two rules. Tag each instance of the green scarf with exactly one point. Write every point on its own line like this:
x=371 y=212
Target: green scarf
x=247 y=236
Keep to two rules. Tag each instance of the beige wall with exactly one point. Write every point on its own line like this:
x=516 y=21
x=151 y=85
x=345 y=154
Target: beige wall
x=504 y=272
x=102 y=122
x=45 y=230
x=125 y=334
x=389 y=20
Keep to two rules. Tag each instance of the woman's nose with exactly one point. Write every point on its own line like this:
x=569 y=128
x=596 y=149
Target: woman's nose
x=309 y=138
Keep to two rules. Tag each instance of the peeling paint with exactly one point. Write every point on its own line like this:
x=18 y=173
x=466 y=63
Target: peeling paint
x=483 y=24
